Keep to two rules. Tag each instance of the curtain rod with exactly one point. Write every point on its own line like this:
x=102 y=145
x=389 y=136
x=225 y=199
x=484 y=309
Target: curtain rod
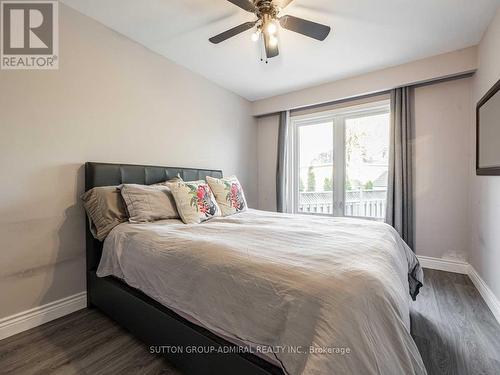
x=364 y=96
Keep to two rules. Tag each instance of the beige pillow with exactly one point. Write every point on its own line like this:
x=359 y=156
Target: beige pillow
x=195 y=201
x=105 y=209
x=228 y=194
x=149 y=203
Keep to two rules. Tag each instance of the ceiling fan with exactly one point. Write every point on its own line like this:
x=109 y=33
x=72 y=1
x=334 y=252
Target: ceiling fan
x=267 y=24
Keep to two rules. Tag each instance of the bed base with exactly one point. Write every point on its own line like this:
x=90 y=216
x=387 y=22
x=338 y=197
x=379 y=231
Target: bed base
x=160 y=327
x=147 y=319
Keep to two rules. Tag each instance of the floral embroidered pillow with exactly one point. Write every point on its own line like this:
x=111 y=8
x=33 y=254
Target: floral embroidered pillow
x=228 y=194
x=195 y=201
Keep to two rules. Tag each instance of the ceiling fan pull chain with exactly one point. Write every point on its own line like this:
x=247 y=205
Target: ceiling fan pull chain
x=261 y=46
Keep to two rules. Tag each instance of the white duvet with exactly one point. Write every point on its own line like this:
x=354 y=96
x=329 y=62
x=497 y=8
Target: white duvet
x=324 y=295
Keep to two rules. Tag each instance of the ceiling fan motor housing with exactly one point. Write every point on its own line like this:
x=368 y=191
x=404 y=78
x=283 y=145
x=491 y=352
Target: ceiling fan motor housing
x=266 y=7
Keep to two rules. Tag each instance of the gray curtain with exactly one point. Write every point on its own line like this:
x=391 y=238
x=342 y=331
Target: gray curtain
x=281 y=164
x=400 y=189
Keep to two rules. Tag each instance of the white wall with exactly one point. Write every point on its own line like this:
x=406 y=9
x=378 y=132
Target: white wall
x=445 y=65
x=111 y=100
x=442 y=118
x=442 y=144
x=485 y=190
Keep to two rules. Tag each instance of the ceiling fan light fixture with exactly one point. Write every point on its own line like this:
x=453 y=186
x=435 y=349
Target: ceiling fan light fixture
x=255 y=36
x=272 y=28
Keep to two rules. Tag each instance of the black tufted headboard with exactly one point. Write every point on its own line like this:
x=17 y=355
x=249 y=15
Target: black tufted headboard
x=106 y=174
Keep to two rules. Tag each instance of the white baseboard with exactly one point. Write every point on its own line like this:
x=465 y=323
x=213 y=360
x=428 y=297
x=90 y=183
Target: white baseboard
x=465 y=268
x=42 y=314
x=441 y=264
x=488 y=296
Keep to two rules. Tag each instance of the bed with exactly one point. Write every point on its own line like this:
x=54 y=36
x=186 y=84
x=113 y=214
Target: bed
x=303 y=294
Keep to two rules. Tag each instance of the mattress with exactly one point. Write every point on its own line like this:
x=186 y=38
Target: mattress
x=317 y=295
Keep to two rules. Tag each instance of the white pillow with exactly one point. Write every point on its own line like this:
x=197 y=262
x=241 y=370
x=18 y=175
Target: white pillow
x=228 y=194
x=147 y=203
x=195 y=201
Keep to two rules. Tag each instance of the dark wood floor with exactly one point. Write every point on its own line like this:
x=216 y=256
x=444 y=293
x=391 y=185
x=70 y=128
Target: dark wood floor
x=85 y=342
x=453 y=328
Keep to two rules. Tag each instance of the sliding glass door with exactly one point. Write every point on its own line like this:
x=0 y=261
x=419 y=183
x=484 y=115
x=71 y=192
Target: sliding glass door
x=339 y=161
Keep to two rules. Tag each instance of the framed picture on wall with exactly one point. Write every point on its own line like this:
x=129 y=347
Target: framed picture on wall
x=488 y=133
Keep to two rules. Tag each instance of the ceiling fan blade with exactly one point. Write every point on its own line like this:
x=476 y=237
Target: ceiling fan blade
x=232 y=32
x=244 y=4
x=304 y=27
x=271 y=50
x=283 y=3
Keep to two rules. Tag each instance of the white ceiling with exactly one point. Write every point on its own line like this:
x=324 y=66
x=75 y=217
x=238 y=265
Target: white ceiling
x=366 y=35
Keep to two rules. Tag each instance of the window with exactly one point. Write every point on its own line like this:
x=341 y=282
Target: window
x=339 y=161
